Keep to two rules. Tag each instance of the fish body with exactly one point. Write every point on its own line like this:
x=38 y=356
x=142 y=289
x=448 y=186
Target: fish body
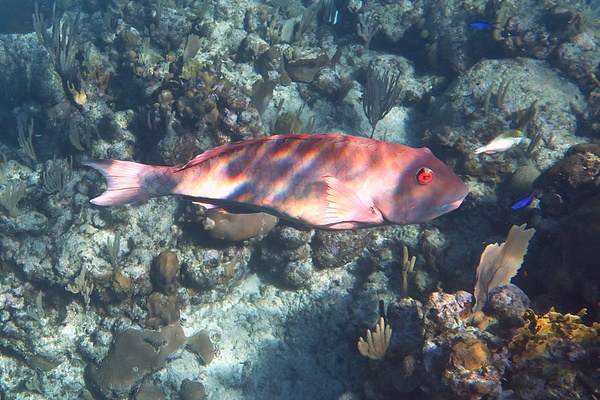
x=502 y=142
x=481 y=24
x=324 y=181
x=523 y=202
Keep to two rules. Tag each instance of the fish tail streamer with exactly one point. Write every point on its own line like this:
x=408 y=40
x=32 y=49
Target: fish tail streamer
x=130 y=182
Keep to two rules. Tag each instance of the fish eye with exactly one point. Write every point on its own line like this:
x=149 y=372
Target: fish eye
x=425 y=176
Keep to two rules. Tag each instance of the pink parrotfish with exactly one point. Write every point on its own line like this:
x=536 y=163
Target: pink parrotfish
x=323 y=181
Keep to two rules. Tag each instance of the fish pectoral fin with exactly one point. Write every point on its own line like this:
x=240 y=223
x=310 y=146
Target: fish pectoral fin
x=343 y=205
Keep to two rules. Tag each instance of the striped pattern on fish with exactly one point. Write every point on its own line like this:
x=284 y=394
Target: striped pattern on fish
x=324 y=181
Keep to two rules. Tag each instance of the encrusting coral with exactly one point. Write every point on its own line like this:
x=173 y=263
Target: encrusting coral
x=470 y=354
x=201 y=344
x=134 y=354
x=553 y=328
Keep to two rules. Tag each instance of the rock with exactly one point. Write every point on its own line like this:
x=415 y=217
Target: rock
x=238 y=227
x=573 y=178
x=287 y=255
x=191 y=390
x=335 y=248
x=206 y=269
x=507 y=302
x=521 y=181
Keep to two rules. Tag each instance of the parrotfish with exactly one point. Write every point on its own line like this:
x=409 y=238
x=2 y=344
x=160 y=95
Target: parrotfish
x=502 y=142
x=323 y=181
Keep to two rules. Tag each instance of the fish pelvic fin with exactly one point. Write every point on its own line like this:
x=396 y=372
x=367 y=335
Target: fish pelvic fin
x=129 y=182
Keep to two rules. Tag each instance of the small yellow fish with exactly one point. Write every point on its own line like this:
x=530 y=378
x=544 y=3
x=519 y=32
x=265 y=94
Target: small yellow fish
x=502 y=142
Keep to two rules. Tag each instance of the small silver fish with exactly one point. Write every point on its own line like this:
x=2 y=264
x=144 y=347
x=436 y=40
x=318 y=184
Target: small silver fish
x=502 y=142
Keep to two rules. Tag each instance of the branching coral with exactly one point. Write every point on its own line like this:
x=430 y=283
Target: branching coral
x=408 y=266
x=377 y=342
x=13 y=192
x=501 y=20
x=59 y=39
x=552 y=328
x=56 y=175
x=366 y=28
x=381 y=91
x=82 y=285
x=25 y=138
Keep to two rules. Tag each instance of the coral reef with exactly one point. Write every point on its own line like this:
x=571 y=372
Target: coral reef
x=553 y=352
x=438 y=350
x=228 y=306
x=567 y=207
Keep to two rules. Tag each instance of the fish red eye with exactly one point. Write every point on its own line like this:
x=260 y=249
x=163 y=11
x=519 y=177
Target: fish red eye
x=425 y=176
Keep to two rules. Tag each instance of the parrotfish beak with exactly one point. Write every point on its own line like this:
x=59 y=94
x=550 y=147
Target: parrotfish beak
x=455 y=204
x=446 y=208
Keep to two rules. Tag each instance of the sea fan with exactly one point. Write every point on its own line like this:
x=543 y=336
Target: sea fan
x=500 y=262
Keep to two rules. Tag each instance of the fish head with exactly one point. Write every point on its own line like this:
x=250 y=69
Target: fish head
x=425 y=188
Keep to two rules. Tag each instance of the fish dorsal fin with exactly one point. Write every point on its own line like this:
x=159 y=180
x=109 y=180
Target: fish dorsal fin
x=207 y=155
x=235 y=146
x=344 y=206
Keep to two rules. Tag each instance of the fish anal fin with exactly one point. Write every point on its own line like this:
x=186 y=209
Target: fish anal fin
x=344 y=209
x=208 y=206
x=220 y=205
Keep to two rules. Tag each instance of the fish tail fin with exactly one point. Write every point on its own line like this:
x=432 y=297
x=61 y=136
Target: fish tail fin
x=129 y=182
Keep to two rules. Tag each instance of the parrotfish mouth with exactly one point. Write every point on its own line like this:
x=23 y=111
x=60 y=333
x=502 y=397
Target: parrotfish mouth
x=455 y=204
x=449 y=207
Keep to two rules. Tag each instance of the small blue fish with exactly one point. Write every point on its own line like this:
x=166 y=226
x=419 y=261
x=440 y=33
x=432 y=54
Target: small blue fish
x=481 y=24
x=522 y=202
